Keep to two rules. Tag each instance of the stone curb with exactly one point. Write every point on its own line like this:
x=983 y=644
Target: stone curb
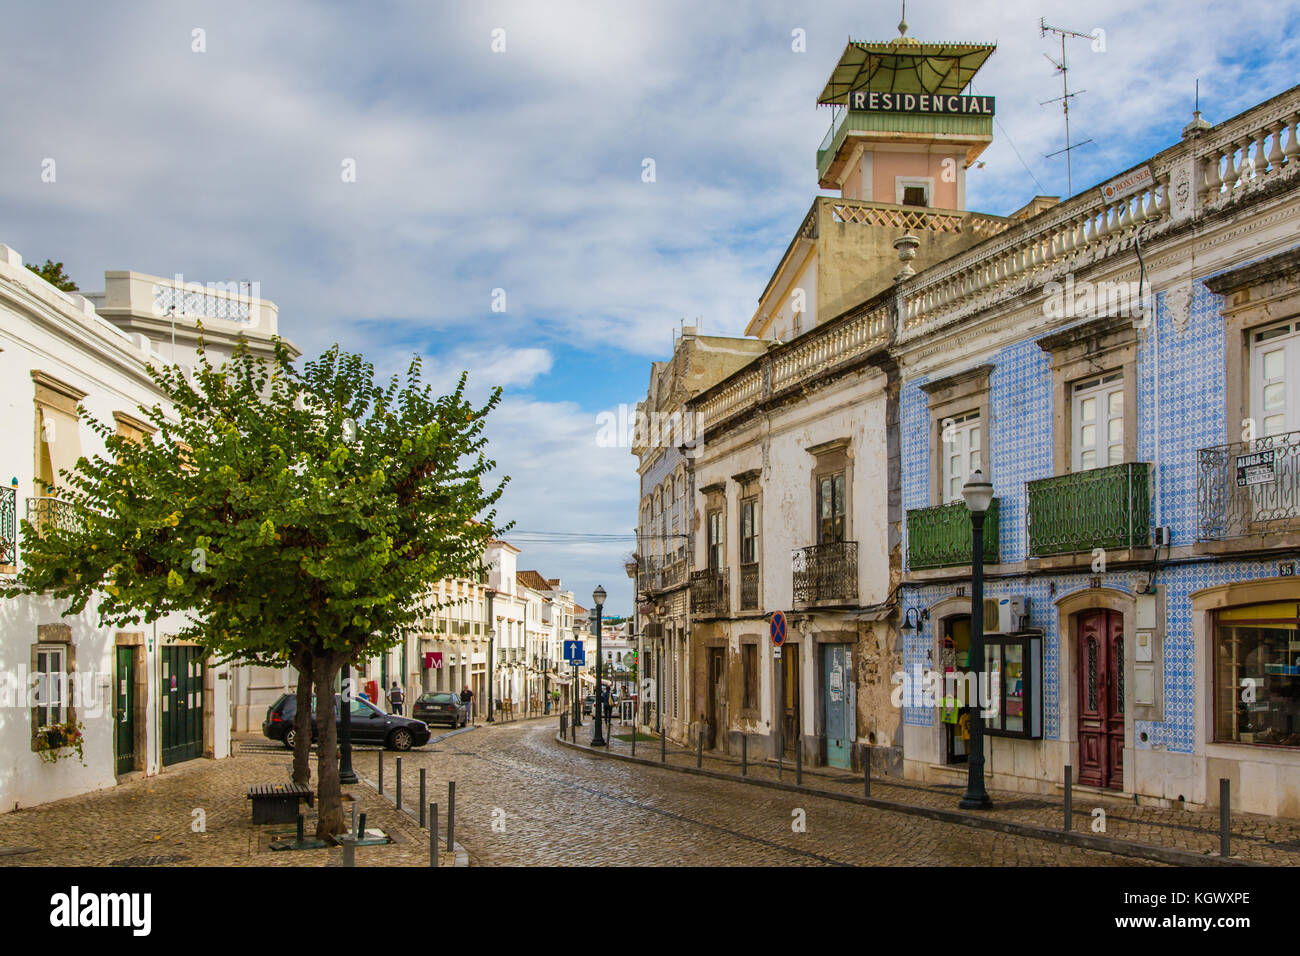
x=1086 y=841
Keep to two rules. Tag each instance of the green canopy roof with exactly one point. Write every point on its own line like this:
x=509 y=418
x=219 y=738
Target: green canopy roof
x=904 y=65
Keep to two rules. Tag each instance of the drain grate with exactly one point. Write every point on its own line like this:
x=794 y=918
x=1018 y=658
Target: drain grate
x=150 y=860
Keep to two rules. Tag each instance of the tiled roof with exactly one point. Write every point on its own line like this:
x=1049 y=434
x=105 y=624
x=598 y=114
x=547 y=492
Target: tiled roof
x=533 y=579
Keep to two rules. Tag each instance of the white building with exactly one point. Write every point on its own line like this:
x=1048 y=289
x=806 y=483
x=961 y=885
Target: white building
x=143 y=700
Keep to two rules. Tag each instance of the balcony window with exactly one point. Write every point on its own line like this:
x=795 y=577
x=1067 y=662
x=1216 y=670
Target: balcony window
x=715 y=540
x=961 y=453
x=941 y=537
x=1275 y=378
x=826 y=572
x=1098 y=417
x=830 y=508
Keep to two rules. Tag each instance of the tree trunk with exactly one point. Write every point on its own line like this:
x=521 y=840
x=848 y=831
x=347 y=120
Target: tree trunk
x=302 y=719
x=329 y=793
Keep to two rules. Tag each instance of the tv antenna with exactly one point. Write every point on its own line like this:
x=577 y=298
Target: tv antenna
x=1063 y=68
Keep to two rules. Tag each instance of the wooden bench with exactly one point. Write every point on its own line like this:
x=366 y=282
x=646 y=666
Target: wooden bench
x=278 y=802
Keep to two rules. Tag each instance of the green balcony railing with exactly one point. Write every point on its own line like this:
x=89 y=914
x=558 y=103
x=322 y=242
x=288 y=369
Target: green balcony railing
x=940 y=537
x=1099 y=508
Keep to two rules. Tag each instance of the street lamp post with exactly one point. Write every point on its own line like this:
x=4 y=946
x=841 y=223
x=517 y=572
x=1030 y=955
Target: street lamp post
x=979 y=495
x=598 y=738
x=346 y=773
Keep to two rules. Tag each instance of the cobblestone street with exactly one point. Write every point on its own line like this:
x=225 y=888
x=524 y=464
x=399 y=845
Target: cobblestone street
x=522 y=799
x=555 y=806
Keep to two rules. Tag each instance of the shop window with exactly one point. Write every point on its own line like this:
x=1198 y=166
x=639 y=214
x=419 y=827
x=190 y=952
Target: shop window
x=1014 y=664
x=1098 y=420
x=1257 y=675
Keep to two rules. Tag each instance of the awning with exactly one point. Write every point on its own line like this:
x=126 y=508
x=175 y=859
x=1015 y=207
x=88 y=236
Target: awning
x=904 y=65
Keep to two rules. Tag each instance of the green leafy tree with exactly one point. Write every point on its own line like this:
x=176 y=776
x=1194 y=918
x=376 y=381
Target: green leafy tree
x=52 y=272
x=291 y=517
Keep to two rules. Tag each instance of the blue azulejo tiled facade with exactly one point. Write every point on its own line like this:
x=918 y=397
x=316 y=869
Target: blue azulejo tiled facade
x=1180 y=733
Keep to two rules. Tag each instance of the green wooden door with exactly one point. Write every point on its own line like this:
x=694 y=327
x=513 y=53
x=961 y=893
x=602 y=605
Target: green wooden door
x=124 y=710
x=182 y=702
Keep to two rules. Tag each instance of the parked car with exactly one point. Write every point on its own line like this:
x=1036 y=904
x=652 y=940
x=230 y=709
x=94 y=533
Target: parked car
x=441 y=707
x=588 y=704
x=370 y=725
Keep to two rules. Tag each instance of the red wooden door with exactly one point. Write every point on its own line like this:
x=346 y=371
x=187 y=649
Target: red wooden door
x=1101 y=699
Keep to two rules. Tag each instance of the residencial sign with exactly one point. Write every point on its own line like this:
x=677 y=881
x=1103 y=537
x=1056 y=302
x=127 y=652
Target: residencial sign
x=1128 y=184
x=1257 y=468
x=869 y=101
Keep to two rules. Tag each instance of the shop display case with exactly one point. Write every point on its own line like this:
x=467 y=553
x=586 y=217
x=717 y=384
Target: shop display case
x=1015 y=667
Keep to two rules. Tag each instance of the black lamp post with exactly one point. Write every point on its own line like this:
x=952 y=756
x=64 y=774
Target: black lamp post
x=979 y=495
x=598 y=738
x=346 y=773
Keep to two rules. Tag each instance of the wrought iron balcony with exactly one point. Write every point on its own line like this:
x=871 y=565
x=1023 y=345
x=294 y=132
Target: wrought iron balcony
x=1250 y=487
x=1100 y=508
x=749 y=586
x=710 y=592
x=8 y=526
x=940 y=537
x=826 y=572
x=44 y=513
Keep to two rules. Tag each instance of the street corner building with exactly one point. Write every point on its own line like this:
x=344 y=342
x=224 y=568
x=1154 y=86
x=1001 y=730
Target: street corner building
x=1123 y=366
x=140 y=700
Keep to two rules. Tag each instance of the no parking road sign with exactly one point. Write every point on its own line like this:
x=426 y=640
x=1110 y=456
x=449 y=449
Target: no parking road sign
x=777 y=628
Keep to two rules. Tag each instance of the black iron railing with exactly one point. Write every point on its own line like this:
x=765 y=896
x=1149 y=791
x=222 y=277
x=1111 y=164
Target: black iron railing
x=1250 y=487
x=749 y=586
x=826 y=572
x=709 y=592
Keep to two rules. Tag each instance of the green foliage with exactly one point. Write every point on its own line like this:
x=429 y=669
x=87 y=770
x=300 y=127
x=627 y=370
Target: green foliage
x=280 y=510
x=52 y=272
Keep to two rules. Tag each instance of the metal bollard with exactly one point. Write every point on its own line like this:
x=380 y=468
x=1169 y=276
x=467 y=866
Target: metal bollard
x=564 y=732
x=381 y=770
x=433 y=834
x=798 y=766
x=300 y=825
x=451 y=816
x=699 y=751
x=634 y=731
x=866 y=771
x=1225 y=817
x=349 y=849
x=744 y=755
x=361 y=827
x=399 y=783
x=1069 y=797
x=663 y=745
x=422 y=797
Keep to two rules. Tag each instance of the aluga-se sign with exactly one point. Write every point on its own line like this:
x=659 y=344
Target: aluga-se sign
x=870 y=101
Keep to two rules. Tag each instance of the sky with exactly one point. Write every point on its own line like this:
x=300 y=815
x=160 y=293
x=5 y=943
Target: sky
x=501 y=220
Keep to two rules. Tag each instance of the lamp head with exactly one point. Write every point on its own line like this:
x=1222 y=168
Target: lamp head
x=978 y=493
x=598 y=596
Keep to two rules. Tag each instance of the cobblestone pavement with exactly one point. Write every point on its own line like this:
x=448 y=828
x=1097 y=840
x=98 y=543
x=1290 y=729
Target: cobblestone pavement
x=523 y=799
x=148 y=821
x=1253 y=837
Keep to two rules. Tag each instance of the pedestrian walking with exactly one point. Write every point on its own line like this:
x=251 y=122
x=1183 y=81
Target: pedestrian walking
x=467 y=698
x=396 y=698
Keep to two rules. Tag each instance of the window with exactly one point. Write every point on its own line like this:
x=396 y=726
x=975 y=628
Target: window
x=1098 y=417
x=51 y=685
x=914 y=196
x=749 y=668
x=961 y=453
x=748 y=532
x=715 y=540
x=1275 y=379
x=830 y=508
x=1257 y=648
x=913 y=190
